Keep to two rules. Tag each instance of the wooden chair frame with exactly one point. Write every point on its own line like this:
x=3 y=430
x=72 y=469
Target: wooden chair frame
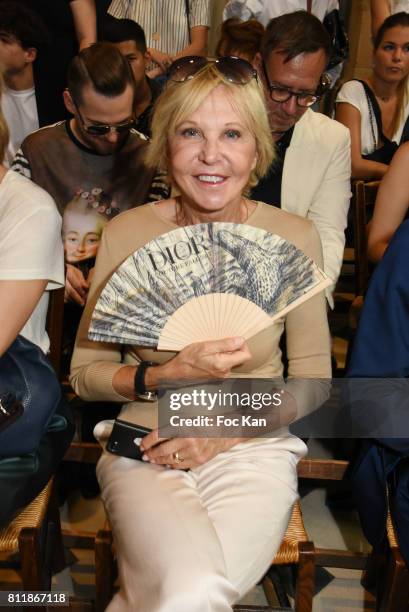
x=105 y=574
x=363 y=196
x=40 y=547
x=308 y=555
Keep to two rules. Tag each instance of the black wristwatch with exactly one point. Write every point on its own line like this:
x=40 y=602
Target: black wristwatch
x=139 y=382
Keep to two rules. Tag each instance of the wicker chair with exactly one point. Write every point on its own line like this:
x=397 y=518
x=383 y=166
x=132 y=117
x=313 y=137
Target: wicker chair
x=35 y=535
x=395 y=592
x=295 y=549
x=362 y=204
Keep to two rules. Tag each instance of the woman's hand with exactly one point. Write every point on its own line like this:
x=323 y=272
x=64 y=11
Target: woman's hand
x=200 y=361
x=197 y=362
x=184 y=453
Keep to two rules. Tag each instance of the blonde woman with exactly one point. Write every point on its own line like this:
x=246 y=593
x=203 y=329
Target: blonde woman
x=197 y=537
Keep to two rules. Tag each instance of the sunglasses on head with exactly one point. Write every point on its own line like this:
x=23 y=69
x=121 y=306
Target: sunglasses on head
x=233 y=69
x=102 y=130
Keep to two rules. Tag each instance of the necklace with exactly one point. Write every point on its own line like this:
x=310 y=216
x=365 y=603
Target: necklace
x=383 y=98
x=182 y=219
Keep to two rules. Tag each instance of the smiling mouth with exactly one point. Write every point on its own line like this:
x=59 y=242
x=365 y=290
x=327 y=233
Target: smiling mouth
x=211 y=179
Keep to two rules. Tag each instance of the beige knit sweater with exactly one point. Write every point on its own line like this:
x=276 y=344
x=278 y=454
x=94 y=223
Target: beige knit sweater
x=94 y=364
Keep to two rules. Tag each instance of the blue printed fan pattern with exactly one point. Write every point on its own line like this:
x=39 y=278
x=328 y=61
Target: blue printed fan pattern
x=219 y=276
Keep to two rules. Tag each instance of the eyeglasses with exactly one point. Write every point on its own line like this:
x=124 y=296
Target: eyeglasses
x=278 y=93
x=102 y=130
x=234 y=69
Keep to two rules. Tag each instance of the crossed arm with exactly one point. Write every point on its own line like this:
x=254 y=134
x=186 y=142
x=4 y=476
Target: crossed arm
x=380 y=10
x=391 y=204
x=361 y=168
x=85 y=21
x=197 y=46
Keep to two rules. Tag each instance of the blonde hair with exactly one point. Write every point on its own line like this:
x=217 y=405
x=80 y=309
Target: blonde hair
x=180 y=100
x=4 y=130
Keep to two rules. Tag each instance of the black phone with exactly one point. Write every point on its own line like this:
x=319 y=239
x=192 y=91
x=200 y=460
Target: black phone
x=125 y=439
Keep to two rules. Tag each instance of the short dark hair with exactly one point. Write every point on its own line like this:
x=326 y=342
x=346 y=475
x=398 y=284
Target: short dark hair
x=103 y=67
x=397 y=20
x=19 y=23
x=293 y=34
x=120 y=30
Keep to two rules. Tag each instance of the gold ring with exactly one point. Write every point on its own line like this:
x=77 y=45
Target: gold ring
x=177 y=457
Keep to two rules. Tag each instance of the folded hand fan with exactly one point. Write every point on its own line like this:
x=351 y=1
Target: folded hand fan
x=203 y=282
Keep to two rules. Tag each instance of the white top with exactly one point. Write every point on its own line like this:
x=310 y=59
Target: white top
x=164 y=22
x=30 y=244
x=20 y=111
x=264 y=10
x=399 y=5
x=353 y=93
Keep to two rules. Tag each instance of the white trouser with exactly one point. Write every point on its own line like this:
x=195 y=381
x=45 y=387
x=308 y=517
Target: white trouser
x=198 y=541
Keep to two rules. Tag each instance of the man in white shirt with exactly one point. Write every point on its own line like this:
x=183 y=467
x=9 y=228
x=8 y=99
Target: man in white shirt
x=263 y=10
x=311 y=176
x=21 y=34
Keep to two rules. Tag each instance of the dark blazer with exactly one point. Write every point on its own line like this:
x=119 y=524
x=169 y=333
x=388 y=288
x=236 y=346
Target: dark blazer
x=381 y=350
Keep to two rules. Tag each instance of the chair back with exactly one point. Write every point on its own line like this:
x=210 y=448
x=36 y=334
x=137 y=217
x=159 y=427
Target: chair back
x=362 y=203
x=55 y=316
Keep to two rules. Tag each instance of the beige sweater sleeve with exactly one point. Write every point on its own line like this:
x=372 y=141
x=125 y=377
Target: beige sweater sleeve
x=309 y=343
x=94 y=364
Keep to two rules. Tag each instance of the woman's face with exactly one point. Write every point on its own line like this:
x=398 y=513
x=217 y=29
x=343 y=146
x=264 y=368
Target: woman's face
x=212 y=155
x=391 y=58
x=81 y=235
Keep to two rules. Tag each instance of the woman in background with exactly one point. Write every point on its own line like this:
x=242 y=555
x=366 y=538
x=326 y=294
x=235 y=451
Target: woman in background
x=376 y=110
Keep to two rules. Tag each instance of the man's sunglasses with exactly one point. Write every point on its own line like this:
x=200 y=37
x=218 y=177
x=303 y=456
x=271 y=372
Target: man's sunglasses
x=278 y=93
x=233 y=69
x=102 y=130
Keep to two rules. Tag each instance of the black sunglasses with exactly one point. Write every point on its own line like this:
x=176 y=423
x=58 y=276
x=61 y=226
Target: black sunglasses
x=278 y=93
x=234 y=69
x=102 y=130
